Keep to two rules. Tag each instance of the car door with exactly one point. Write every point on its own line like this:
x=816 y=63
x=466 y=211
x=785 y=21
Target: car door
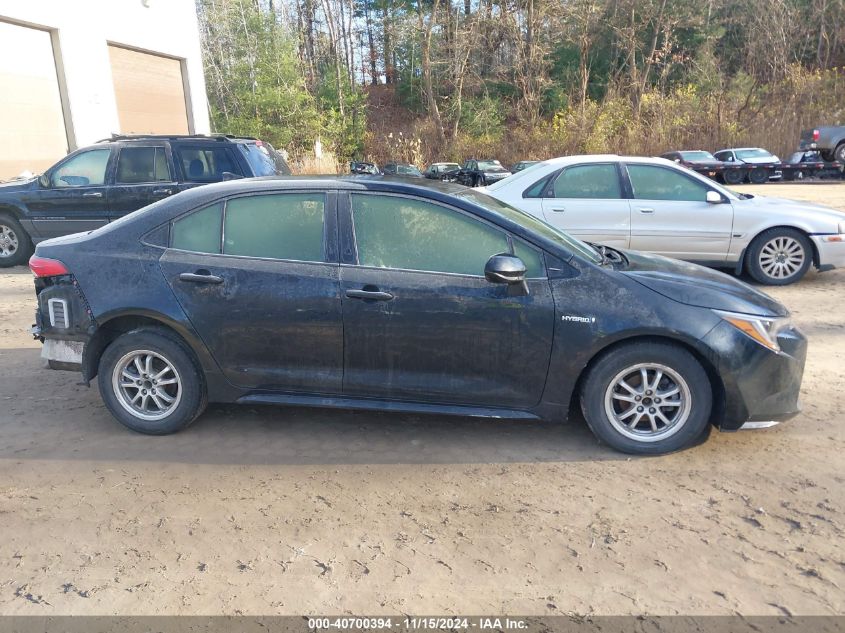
x=421 y=323
x=587 y=201
x=257 y=276
x=75 y=196
x=670 y=215
x=199 y=163
x=143 y=175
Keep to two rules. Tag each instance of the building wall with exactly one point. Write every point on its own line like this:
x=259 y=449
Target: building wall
x=82 y=30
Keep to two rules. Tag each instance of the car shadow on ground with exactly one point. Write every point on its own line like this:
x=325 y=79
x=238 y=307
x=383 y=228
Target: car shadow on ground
x=48 y=415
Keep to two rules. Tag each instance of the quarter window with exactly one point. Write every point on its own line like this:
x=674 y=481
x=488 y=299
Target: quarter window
x=83 y=170
x=410 y=234
x=588 y=181
x=142 y=165
x=207 y=164
x=277 y=226
x=657 y=183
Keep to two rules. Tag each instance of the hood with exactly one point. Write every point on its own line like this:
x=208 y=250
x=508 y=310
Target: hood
x=825 y=219
x=762 y=160
x=17 y=185
x=695 y=285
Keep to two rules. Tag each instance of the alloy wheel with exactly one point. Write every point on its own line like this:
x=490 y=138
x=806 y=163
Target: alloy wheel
x=648 y=402
x=781 y=257
x=147 y=385
x=8 y=241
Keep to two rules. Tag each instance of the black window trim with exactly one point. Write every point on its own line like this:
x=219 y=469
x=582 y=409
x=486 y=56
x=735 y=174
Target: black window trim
x=329 y=238
x=349 y=233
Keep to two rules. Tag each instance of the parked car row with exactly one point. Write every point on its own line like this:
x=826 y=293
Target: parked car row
x=473 y=173
x=100 y=183
x=657 y=205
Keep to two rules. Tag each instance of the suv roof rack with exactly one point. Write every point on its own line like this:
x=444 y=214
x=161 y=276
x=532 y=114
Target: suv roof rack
x=175 y=137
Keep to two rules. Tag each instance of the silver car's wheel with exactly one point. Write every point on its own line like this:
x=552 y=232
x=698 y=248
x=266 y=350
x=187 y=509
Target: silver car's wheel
x=782 y=257
x=9 y=242
x=147 y=385
x=648 y=402
x=779 y=256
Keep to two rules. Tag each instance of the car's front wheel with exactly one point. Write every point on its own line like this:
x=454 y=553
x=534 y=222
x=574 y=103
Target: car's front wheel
x=779 y=256
x=149 y=381
x=15 y=245
x=647 y=398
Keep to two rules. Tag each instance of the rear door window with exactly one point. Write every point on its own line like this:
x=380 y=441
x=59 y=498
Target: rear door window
x=142 y=165
x=207 y=164
x=276 y=226
x=599 y=182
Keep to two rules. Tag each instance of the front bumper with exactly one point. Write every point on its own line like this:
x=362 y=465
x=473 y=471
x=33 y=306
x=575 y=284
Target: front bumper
x=759 y=385
x=831 y=250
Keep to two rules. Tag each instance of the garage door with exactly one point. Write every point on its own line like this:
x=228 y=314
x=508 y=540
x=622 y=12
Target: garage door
x=32 y=127
x=149 y=92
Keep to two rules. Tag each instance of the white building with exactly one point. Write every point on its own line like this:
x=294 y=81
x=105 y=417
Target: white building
x=76 y=71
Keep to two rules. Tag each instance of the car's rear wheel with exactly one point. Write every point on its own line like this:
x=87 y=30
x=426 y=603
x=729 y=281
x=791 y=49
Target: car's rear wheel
x=779 y=256
x=15 y=245
x=647 y=398
x=839 y=153
x=149 y=381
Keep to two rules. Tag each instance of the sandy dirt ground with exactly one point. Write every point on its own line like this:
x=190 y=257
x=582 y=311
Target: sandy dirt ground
x=290 y=511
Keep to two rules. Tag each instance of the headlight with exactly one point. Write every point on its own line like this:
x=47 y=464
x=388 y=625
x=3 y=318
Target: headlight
x=764 y=330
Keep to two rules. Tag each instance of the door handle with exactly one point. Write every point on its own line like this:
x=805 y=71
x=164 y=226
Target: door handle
x=162 y=192
x=558 y=209
x=646 y=210
x=92 y=194
x=201 y=277
x=372 y=295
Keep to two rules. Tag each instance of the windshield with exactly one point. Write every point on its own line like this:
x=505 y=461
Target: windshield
x=264 y=160
x=446 y=167
x=752 y=153
x=489 y=164
x=408 y=170
x=698 y=156
x=532 y=223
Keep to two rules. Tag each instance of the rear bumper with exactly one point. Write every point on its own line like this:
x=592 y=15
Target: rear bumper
x=831 y=250
x=61 y=354
x=759 y=385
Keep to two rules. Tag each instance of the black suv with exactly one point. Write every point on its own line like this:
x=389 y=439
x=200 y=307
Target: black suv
x=98 y=184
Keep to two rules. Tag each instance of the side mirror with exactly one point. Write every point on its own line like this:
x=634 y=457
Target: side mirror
x=44 y=181
x=228 y=175
x=714 y=197
x=504 y=269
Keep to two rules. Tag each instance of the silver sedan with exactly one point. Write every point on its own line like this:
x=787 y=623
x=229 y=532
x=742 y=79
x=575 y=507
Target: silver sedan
x=652 y=204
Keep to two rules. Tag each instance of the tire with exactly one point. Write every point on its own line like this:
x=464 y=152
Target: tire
x=779 y=256
x=15 y=244
x=170 y=360
x=733 y=176
x=758 y=176
x=608 y=416
x=839 y=153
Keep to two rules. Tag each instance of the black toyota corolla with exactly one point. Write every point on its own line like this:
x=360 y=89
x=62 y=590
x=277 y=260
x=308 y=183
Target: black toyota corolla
x=385 y=295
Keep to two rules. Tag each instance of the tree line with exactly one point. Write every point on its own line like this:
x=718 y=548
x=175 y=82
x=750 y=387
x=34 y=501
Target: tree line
x=445 y=79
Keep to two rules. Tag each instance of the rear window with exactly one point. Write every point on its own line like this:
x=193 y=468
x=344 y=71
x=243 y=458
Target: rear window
x=264 y=160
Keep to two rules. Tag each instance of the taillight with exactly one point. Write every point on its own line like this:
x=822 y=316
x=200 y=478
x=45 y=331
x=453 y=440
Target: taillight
x=816 y=135
x=43 y=267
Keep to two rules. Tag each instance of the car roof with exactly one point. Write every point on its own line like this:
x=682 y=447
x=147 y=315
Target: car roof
x=739 y=149
x=179 y=137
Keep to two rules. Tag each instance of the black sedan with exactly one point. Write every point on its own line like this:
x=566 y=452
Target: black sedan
x=380 y=294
